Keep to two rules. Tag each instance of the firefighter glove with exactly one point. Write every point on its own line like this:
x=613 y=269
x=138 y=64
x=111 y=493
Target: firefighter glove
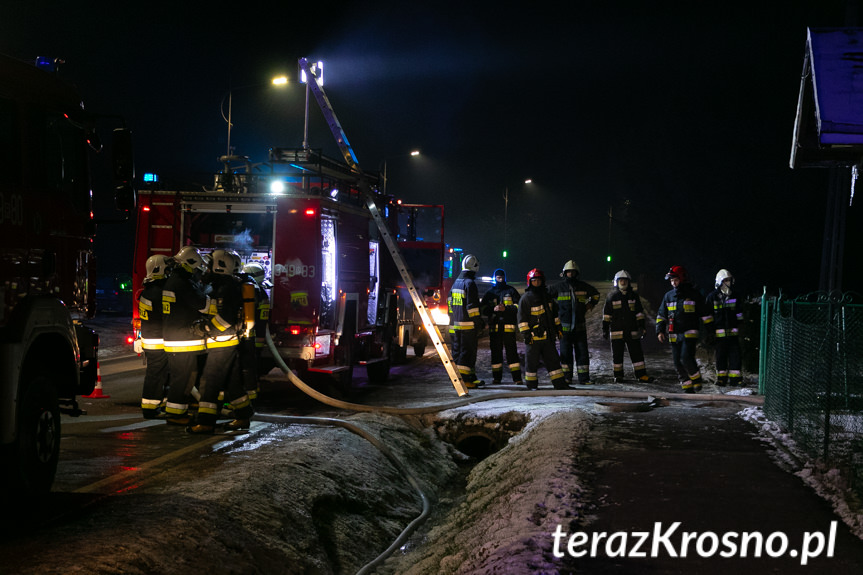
x=201 y=328
x=528 y=338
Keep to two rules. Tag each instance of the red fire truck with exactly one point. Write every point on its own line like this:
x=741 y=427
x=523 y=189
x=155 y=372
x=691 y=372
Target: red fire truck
x=337 y=299
x=47 y=354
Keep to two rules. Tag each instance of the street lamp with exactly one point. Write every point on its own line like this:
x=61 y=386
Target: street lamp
x=413 y=153
x=505 y=215
x=278 y=81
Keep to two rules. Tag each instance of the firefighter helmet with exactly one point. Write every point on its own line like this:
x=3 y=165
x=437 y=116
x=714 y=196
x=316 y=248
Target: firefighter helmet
x=157 y=267
x=723 y=275
x=678 y=272
x=238 y=261
x=470 y=263
x=256 y=271
x=535 y=273
x=622 y=274
x=571 y=266
x=223 y=262
x=190 y=258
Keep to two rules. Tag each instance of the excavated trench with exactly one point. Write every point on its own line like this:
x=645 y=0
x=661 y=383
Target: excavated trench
x=479 y=437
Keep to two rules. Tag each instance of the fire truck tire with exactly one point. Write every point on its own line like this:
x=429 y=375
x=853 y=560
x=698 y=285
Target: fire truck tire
x=34 y=455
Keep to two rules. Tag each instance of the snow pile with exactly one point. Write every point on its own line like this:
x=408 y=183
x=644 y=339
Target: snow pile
x=830 y=484
x=515 y=500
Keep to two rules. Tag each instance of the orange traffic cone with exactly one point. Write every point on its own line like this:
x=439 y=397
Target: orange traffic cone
x=97 y=391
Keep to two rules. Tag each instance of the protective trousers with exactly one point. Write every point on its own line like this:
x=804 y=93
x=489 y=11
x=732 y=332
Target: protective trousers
x=728 y=361
x=575 y=340
x=221 y=373
x=248 y=363
x=183 y=367
x=464 y=348
x=683 y=355
x=155 y=382
x=636 y=355
x=498 y=341
x=542 y=349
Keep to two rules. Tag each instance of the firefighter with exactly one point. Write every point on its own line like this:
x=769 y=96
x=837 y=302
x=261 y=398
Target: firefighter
x=539 y=324
x=254 y=340
x=623 y=320
x=499 y=306
x=222 y=330
x=678 y=321
x=465 y=321
x=183 y=303
x=574 y=299
x=727 y=318
x=150 y=340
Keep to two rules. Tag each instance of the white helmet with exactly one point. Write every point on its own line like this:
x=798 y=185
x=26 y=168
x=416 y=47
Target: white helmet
x=190 y=258
x=571 y=265
x=157 y=267
x=723 y=275
x=256 y=271
x=223 y=262
x=470 y=263
x=622 y=274
x=238 y=261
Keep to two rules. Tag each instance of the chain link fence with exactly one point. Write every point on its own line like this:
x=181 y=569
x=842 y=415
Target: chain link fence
x=811 y=376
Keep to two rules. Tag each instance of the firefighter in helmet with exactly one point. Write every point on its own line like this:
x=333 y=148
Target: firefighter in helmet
x=499 y=306
x=727 y=312
x=539 y=324
x=222 y=330
x=183 y=303
x=574 y=299
x=465 y=321
x=623 y=321
x=678 y=322
x=253 y=341
x=150 y=340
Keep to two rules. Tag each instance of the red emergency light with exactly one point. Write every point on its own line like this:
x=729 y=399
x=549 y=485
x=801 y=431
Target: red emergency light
x=310 y=211
x=294 y=329
x=145 y=209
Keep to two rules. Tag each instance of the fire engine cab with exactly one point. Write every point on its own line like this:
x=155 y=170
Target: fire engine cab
x=336 y=297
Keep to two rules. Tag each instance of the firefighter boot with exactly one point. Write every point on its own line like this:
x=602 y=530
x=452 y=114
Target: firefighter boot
x=238 y=424
x=201 y=429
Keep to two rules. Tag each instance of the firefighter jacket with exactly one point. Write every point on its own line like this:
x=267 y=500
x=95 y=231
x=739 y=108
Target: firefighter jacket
x=623 y=315
x=681 y=313
x=501 y=294
x=538 y=315
x=463 y=303
x=150 y=313
x=727 y=312
x=574 y=298
x=183 y=303
x=225 y=311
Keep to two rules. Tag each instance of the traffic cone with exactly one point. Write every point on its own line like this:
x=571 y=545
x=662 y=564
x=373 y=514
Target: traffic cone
x=97 y=391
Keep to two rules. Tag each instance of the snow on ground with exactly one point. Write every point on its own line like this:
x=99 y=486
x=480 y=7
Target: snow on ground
x=827 y=483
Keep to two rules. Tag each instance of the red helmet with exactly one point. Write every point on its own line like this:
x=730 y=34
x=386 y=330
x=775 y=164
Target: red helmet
x=535 y=273
x=678 y=272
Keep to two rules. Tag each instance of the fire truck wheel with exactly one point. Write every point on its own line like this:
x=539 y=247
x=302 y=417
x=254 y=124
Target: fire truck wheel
x=37 y=449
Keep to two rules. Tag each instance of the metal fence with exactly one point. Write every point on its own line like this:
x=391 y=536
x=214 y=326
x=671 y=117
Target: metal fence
x=811 y=376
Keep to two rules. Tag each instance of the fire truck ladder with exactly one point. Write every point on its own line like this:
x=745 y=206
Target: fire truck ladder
x=351 y=159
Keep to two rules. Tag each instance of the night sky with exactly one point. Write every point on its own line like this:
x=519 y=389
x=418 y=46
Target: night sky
x=677 y=118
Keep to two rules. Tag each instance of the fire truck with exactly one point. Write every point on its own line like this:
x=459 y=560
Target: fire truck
x=47 y=355
x=341 y=256
x=336 y=297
